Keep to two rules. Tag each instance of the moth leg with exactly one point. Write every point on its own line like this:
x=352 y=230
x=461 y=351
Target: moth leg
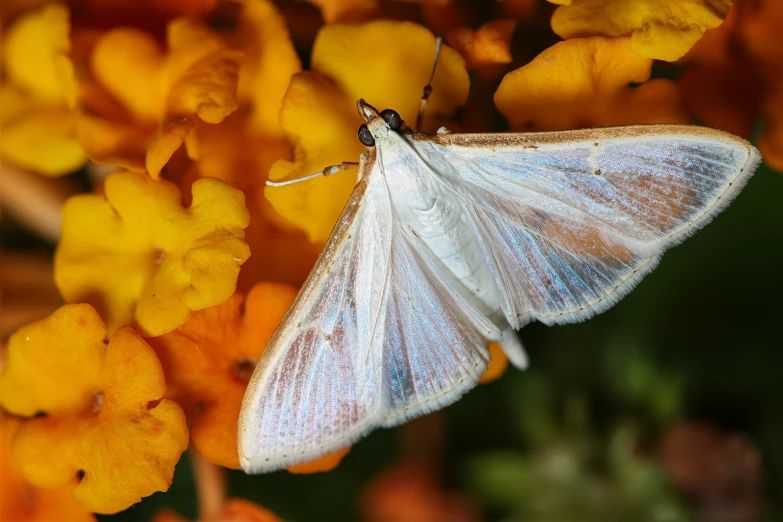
x=428 y=88
x=512 y=347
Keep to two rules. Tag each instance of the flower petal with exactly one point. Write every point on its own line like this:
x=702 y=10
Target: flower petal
x=105 y=434
x=388 y=64
x=41 y=359
x=389 y=69
x=209 y=360
x=42 y=138
x=315 y=109
x=585 y=83
x=270 y=63
x=660 y=29
x=137 y=254
x=35 y=50
x=488 y=45
x=344 y=10
x=497 y=364
x=325 y=463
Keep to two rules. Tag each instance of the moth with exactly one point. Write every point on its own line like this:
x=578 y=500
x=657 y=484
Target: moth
x=451 y=241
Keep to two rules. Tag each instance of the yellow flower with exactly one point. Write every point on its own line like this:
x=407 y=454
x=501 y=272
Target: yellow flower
x=138 y=256
x=389 y=69
x=99 y=428
x=660 y=29
x=586 y=83
x=37 y=124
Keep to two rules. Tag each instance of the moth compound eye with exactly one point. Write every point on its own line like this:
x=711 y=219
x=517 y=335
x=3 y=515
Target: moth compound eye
x=392 y=119
x=365 y=136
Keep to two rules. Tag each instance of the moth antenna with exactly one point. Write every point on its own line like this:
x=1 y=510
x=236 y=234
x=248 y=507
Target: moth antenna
x=428 y=88
x=328 y=171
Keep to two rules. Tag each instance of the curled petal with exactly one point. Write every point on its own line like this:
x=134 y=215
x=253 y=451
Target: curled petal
x=585 y=83
x=345 y=10
x=660 y=29
x=138 y=255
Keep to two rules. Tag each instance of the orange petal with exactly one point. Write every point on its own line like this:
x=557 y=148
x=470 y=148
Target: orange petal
x=131 y=65
x=20 y=500
x=166 y=144
x=105 y=434
x=771 y=141
x=137 y=254
x=208 y=88
x=660 y=29
x=345 y=10
x=585 y=83
x=209 y=360
x=487 y=45
x=325 y=463
x=724 y=97
x=497 y=364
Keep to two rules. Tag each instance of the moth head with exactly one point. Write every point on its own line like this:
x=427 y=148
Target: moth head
x=376 y=125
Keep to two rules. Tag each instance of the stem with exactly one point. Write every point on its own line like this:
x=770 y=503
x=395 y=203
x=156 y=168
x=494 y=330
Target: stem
x=211 y=486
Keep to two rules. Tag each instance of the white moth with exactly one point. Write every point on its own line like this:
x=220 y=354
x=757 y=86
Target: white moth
x=451 y=241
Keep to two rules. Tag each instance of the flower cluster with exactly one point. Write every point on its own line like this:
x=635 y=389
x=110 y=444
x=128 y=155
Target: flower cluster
x=179 y=116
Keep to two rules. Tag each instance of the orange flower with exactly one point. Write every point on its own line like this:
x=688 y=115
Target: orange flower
x=661 y=29
x=498 y=364
x=20 y=500
x=209 y=360
x=411 y=491
x=734 y=76
x=36 y=120
x=388 y=69
x=234 y=510
x=585 y=83
x=100 y=428
x=137 y=255
x=487 y=45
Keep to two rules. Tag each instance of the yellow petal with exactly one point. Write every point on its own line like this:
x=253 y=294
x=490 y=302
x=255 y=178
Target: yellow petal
x=389 y=69
x=137 y=254
x=42 y=137
x=388 y=63
x=585 y=82
x=41 y=358
x=35 y=51
x=660 y=29
x=315 y=109
x=270 y=62
x=164 y=146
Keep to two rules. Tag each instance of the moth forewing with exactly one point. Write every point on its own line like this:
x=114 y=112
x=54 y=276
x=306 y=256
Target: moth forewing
x=450 y=241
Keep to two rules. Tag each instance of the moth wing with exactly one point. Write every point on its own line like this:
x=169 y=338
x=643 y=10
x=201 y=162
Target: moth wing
x=436 y=340
x=377 y=335
x=571 y=221
x=317 y=388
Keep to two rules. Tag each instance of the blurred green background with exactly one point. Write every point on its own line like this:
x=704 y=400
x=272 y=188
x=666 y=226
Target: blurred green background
x=696 y=348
